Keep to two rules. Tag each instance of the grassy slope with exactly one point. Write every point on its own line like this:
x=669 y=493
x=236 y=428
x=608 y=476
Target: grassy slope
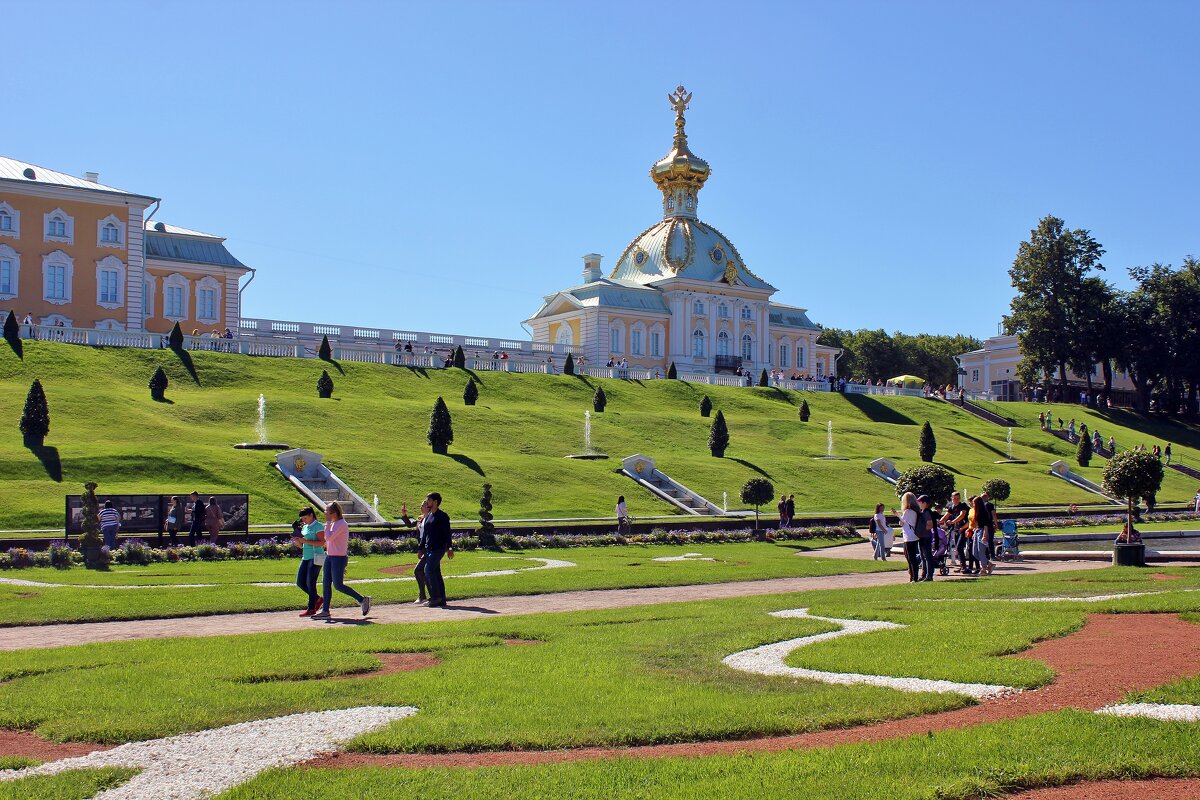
x=106 y=428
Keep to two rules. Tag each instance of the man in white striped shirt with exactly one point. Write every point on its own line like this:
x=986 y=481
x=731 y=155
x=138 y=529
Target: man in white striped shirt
x=110 y=523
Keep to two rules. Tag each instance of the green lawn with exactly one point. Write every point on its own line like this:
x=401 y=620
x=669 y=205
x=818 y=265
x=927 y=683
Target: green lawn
x=104 y=427
x=595 y=568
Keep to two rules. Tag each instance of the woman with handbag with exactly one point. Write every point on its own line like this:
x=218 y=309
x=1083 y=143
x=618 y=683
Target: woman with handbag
x=311 y=539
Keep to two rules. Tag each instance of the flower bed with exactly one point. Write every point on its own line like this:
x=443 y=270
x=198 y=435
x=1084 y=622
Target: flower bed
x=138 y=552
x=1084 y=520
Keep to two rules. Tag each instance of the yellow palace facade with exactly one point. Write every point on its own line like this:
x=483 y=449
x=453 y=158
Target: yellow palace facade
x=681 y=292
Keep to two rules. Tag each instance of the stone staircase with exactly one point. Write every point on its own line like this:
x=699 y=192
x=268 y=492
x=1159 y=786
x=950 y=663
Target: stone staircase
x=641 y=469
x=306 y=470
x=1101 y=451
x=350 y=504
x=981 y=412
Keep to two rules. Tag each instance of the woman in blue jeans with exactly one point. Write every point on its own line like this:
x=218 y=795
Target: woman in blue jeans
x=337 y=542
x=311 y=540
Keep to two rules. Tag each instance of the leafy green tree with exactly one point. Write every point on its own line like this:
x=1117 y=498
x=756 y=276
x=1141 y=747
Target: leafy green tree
x=459 y=359
x=755 y=492
x=470 y=393
x=599 y=399
x=35 y=419
x=487 y=531
x=569 y=364
x=927 y=445
x=931 y=479
x=804 y=412
x=705 y=406
x=1083 y=453
x=325 y=352
x=441 y=432
x=158 y=385
x=325 y=385
x=763 y=380
x=672 y=373
x=175 y=337
x=1132 y=476
x=718 y=436
x=1048 y=274
x=997 y=489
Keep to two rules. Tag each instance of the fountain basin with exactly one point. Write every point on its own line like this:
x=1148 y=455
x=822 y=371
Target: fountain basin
x=829 y=458
x=261 y=446
x=1011 y=461
x=588 y=456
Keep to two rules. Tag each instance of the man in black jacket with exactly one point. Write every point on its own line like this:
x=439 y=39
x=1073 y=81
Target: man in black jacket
x=422 y=547
x=198 y=511
x=437 y=544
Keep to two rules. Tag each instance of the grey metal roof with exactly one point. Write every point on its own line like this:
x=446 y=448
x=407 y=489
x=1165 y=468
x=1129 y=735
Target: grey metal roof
x=19 y=171
x=619 y=293
x=166 y=227
x=171 y=247
x=790 y=317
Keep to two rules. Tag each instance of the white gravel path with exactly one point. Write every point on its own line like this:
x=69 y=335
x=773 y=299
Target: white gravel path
x=684 y=557
x=197 y=765
x=769 y=660
x=1159 y=711
x=544 y=563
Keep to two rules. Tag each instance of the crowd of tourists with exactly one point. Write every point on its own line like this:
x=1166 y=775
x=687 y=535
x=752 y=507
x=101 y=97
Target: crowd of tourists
x=959 y=537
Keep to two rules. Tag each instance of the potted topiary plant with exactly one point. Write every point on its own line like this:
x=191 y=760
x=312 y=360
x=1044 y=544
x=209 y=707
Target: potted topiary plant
x=1132 y=476
x=755 y=492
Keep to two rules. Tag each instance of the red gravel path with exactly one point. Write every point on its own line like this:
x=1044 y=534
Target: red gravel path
x=1152 y=789
x=1091 y=666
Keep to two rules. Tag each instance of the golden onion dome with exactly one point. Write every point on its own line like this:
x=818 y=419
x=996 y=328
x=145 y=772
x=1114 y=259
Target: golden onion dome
x=680 y=174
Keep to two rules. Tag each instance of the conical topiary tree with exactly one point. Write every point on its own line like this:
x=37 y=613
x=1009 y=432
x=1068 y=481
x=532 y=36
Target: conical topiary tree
x=705 y=406
x=175 y=337
x=763 y=380
x=927 y=446
x=158 y=385
x=804 y=412
x=672 y=373
x=441 y=432
x=325 y=385
x=569 y=365
x=90 y=536
x=487 y=535
x=35 y=419
x=459 y=359
x=1083 y=453
x=718 y=436
x=325 y=352
x=599 y=399
x=470 y=393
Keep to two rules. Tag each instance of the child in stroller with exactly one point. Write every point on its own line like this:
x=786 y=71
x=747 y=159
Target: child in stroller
x=941 y=548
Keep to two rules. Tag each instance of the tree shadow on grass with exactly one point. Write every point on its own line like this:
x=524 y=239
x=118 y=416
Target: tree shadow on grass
x=49 y=458
x=333 y=363
x=17 y=346
x=185 y=358
x=165 y=400
x=468 y=462
x=877 y=411
x=424 y=373
x=583 y=379
x=754 y=467
x=955 y=471
x=980 y=442
x=475 y=376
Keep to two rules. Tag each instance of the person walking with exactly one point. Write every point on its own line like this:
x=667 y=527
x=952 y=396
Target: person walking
x=908 y=526
x=174 y=518
x=422 y=548
x=791 y=510
x=881 y=534
x=1167 y=453
x=337 y=543
x=926 y=529
x=781 y=507
x=981 y=526
x=110 y=523
x=311 y=539
x=622 y=517
x=955 y=522
x=439 y=543
x=197 y=525
x=214 y=519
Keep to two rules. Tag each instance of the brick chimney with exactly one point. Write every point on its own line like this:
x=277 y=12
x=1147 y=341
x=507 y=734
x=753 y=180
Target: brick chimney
x=591 y=267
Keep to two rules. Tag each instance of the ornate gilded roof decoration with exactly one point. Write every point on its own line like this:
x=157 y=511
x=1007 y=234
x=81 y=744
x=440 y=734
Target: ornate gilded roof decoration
x=717 y=254
x=681 y=173
x=731 y=273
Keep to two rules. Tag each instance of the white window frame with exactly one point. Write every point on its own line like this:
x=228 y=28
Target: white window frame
x=637 y=339
x=116 y=266
x=656 y=340
x=148 y=286
x=723 y=311
x=118 y=226
x=698 y=307
x=800 y=362
x=783 y=355
x=616 y=337
x=176 y=281
x=698 y=343
x=209 y=283
x=747 y=351
x=68 y=225
x=14 y=217
x=974 y=376
x=723 y=343
x=747 y=312
x=58 y=259
x=12 y=256
x=568 y=339
x=820 y=369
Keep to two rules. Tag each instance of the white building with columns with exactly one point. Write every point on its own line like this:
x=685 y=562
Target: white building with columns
x=681 y=292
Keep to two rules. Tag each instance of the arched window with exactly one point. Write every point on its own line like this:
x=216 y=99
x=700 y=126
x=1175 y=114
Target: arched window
x=723 y=343
x=723 y=310
x=110 y=282
x=10 y=272
x=747 y=312
x=60 y=227
x=148 y=297
x=175 y=297
x=564 y=335
x=783 y=355
x=616 y=337
x=208 y=299
x=747 y=347
x=10 y=221
x=637 y=339
x=698 y=343
x=656 y=340
x=698 y=307
x=58 y=271
x=110 y=232
x=800 y=362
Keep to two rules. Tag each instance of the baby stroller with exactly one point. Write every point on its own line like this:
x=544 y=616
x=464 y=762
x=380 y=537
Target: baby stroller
x=1009 y=548
x=941 y=549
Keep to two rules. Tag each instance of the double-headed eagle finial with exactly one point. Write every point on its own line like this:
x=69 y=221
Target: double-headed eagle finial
x=679 y=101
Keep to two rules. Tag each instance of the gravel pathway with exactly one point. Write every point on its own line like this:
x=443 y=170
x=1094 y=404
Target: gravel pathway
x=193 y=766
x=1160 y=711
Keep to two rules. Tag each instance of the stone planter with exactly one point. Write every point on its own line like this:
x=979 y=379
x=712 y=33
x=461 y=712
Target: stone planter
x=1129 y=555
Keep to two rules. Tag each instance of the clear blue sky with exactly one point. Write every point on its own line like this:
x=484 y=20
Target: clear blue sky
x=442 y=166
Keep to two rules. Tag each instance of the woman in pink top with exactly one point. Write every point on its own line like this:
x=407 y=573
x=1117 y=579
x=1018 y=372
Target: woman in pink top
x=337 y=539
